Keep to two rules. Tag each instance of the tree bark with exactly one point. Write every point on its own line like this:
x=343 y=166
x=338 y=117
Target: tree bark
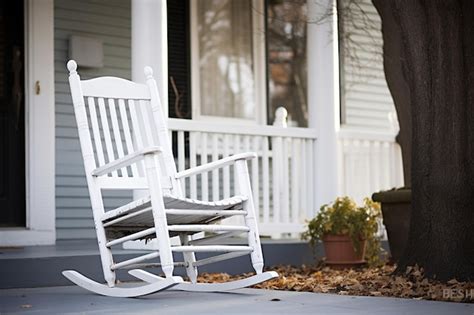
x=437 y=62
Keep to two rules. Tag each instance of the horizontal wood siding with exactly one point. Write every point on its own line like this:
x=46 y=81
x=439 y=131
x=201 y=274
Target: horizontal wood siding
x=110 y=21
x=365 y=99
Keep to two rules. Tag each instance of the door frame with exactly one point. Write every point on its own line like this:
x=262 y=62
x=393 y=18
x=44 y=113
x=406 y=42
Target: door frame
x=39 y=129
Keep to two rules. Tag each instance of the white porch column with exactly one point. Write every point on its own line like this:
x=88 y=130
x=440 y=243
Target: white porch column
x=149 y=48
x=150 y=44
x=323 y=95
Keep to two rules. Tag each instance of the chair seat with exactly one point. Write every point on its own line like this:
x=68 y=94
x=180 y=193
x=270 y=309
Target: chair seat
x=137 y=215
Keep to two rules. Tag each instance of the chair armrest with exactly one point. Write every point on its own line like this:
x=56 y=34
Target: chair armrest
x=216 y=164
x=125 y=161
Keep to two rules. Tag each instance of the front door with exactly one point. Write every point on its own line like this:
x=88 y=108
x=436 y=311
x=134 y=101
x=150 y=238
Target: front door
x=12 y=115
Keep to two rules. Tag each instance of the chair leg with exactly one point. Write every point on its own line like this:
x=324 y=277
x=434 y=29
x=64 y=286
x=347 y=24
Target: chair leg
x=254 y=239
x=159 y=215
x=250 y=217
x=106 y=258
x=164 y=248
x=189 y=258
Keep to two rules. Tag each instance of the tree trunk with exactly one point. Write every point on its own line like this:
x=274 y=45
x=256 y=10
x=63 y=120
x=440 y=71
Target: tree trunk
x=437 y=62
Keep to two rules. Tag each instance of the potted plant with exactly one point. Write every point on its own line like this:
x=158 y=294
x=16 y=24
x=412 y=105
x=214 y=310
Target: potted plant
x=348 y=232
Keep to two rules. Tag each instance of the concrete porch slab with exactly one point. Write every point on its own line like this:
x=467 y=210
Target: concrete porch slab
x=74 y=300
x=41 y=266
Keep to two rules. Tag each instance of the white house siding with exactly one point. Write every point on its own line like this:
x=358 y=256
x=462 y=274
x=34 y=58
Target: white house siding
x=110 y=21
x=370 y=159
x=366 y=100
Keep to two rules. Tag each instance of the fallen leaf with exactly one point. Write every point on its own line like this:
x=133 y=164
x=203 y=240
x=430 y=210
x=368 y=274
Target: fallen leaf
x=360 y=281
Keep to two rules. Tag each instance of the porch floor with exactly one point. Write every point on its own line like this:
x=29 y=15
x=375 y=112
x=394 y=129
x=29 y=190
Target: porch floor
x=41 y=266
x=74 y=300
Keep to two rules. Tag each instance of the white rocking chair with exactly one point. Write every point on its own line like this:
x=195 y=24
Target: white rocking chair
x=140 y=158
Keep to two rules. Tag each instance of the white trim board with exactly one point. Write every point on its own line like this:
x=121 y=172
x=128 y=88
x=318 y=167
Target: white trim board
x=39 y=129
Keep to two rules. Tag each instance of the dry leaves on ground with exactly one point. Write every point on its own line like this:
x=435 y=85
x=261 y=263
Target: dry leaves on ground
x=363 y=281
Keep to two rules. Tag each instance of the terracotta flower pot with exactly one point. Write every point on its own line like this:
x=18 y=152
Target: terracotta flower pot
x=340 y=252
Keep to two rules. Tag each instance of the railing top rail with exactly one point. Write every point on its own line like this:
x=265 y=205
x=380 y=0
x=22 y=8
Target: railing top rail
x=253 y=130
x=366 y=134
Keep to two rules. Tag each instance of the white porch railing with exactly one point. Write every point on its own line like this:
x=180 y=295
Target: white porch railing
x=370 y=161
x=283 y=177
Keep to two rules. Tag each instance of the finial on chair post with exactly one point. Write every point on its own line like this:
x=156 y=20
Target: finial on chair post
x=72 y=66
x=148 y=72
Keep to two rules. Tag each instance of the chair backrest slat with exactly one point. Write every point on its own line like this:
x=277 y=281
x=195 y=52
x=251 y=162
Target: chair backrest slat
x=135 y=125
x=106 y=130
x=136 y=133
x=116 y=131
x=96 y=131
x=123 y=119
x=145 y=118
x=126 y=131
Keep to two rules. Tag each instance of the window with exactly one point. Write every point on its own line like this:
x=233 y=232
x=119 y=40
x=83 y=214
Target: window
x=224 y=64
x=240 y=50
x=286 y=53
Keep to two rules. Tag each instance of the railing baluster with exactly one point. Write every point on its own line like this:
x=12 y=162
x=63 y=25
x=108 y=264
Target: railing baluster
x=276 y=168
x=236 y=149
x=314 y=173
x=204 y=176
x=310 y=162
x=193 y=136
x=386 y=166
x=265 y=181
x=285 y=178
x=226 y=170
x=181 y=158
x=215 y=173
x=255 y=176
x=376 y=165
x=372 y=158
x=295 y=181
x=246 y=144
x=303 y=176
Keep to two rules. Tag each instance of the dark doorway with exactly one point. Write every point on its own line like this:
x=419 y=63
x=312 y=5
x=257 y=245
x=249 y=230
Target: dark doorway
x=12 y=115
